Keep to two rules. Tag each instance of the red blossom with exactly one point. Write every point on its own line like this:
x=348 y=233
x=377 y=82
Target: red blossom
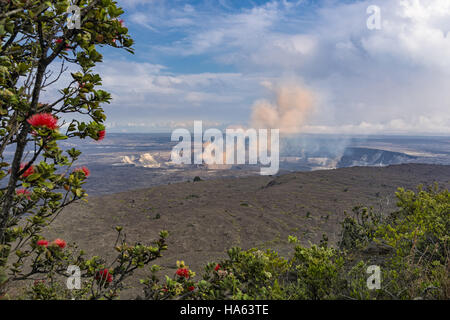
x=101 y=135
x=37 y=281
x=58 y=40
x=43 y=120
x=60 y=243
x=42 y=243
x=27 y=172
x=191 y=288
x=83 y=169
x=217 y=267
x=23 y=192
x=183 y=272
x=104 y=275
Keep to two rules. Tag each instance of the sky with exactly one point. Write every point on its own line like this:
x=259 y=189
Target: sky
x=218 y=61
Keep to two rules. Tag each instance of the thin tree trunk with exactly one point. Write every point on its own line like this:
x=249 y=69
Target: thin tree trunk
x=21 y=143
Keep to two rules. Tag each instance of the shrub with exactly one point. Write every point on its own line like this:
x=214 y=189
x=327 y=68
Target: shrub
x=251 y=274
x=317 y=270
x=415 y=242
x=99 y=280
x=419 y=233
x=358 y=229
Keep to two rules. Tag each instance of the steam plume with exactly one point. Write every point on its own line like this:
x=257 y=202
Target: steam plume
x=293 y=105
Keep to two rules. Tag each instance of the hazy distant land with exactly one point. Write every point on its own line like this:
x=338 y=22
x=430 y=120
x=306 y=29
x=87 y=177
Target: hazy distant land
x=129 y=161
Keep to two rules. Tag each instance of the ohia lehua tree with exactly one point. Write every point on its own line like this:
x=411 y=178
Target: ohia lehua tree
x=40 y=45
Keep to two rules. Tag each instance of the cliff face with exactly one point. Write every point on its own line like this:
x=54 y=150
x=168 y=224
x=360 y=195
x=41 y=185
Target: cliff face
x=372 y=157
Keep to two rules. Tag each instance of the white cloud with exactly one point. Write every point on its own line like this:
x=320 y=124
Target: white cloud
x=134 y=3
x=391 y=80
x=143 y=90
x=420 y=125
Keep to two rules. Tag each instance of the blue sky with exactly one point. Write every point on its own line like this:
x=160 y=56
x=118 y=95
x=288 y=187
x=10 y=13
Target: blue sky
x=217 y=61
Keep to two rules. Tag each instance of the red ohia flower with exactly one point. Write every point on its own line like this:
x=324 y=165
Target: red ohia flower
x=217 y=267
x=191 y=288
x=23 y=192
x=101 y=135
x=43 y=120
x=58 y=40
x=27 y=172
x=38 y=281
x=42 y=243
x=183 y=272
x=83 y=169
x=60 y=243
x=104 y=275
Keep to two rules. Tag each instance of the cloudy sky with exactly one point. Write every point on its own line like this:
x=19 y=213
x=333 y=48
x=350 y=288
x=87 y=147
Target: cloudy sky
x=214 y=60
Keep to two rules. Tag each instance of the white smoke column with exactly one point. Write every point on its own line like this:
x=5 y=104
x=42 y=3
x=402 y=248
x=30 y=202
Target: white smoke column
x=294 y=103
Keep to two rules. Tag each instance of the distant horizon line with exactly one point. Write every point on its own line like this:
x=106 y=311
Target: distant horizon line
x=317 y=134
